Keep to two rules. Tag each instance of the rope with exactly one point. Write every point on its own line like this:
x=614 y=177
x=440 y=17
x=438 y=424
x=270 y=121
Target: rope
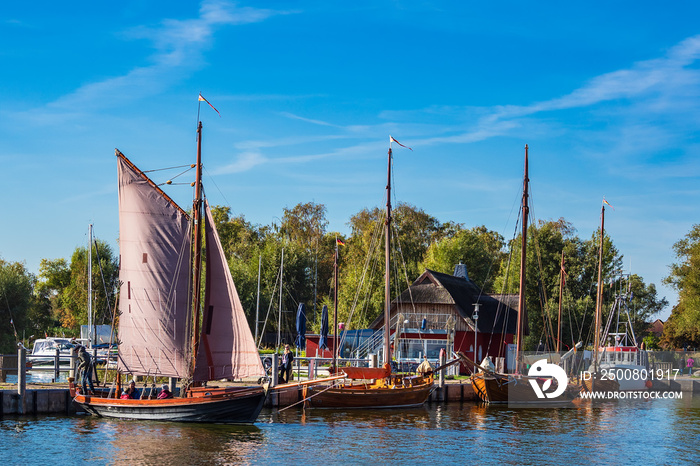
x=334 y=384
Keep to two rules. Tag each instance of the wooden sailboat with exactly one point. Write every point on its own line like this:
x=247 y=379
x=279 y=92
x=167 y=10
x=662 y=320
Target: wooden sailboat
x=161 y=306
x=375 y=387
x=494 y=387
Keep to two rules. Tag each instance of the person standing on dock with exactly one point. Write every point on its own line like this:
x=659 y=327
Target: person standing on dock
x=286 y=369
x=85 y=369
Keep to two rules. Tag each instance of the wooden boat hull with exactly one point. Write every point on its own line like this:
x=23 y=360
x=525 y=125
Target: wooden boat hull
x=598 y=384
x=501 y=388
x=361 y=395
x=230 y=405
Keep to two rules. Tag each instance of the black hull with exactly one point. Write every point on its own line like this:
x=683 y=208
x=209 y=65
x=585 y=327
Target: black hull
x=238 y=407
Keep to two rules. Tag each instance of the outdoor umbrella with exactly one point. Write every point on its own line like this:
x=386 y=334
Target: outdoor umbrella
x=323 y=341
x=300 y=341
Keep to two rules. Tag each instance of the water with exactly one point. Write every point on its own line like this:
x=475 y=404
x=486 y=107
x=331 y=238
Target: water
x=40 y=376
x=627 y=432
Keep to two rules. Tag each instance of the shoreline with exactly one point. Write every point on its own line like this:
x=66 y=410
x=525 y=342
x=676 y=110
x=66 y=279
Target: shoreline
x=54 y=398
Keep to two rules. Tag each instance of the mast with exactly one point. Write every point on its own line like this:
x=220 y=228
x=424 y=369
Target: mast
x=90 y=332
x=387 y=283
x=523 y=263
x=279 y=317
x=257 y=301
x=197 y=256
x=599 y=293
x=335 y=305
x=561 y=294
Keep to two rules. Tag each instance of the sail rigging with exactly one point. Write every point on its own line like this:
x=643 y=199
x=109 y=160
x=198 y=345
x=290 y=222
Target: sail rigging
x=155 y=244
x=163 y=254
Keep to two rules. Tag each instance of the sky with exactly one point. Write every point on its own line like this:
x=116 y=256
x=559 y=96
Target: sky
x=605 y=94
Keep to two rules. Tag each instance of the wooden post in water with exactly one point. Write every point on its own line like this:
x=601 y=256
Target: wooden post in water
x=73 y=356
x=93 y=367
x=442 y=361
x=21 y=377
x=275 y=369
x=56 y=365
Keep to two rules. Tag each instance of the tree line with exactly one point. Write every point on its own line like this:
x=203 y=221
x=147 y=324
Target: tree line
x=54 y=302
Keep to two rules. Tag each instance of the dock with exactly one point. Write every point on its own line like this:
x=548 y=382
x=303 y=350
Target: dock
x=54 y=398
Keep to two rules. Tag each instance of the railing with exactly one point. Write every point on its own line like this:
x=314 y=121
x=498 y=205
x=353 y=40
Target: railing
x=54 y=365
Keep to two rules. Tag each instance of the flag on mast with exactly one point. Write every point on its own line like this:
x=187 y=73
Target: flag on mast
x=391 y=139
x=606 y=202
x=202 y=99
x=339 y=242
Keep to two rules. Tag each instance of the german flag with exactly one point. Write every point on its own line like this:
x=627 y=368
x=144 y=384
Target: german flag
x=339 y=242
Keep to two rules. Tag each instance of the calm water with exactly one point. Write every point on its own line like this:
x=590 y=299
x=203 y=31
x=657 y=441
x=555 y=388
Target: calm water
x=620 y=433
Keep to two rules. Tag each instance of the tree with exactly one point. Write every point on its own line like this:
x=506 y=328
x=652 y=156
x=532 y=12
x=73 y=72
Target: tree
x=683 y=326
x=363 y=266
x=304 y=223
x=66 y=286
x=16 y=304
x=307 y=262
x=480 y=249
x=546 y=241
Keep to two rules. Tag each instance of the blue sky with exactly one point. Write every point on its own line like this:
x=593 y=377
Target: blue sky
x=605 y=94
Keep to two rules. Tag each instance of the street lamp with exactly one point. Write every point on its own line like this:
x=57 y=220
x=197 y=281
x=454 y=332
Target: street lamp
x=475 y=318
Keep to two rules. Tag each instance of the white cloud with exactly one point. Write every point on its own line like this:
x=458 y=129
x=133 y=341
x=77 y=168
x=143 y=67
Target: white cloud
x=178 y=45
x=246 y=161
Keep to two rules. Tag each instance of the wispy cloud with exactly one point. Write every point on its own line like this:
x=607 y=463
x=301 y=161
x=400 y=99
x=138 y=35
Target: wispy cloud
x=178 y=46
x=667 y=86
x=655 y=86
x=244 y=162
x=660 y=76
x=307 y=120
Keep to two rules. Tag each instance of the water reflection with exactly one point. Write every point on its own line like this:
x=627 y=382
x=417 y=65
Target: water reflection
x=624 y=432
x=166 y=443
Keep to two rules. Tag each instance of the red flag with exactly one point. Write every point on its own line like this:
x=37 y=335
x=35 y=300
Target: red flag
x=202 y=99
x=391 y=139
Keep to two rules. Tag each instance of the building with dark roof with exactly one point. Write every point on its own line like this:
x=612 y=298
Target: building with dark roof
x=437 y=312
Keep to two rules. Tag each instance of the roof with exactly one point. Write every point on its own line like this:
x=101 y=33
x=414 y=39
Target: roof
x=496 y=314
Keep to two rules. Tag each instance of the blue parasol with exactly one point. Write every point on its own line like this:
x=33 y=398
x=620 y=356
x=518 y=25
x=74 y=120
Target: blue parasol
x=300 y=341
x=323 y=341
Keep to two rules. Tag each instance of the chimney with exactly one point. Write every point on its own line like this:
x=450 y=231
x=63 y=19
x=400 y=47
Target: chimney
x=461 y=271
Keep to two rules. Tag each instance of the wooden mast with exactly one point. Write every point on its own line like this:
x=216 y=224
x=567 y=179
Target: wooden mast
x=561 y=294
x=197 y=256
x=335 y=306
x=523 y=263
x=387 y=283
x=599 y=293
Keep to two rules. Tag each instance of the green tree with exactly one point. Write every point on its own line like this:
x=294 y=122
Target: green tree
x=361 y=292
x=546 y=241
x=16 y=303
x=66 y=286
x=307 y=263
x=683 y=326
x=480 y=249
